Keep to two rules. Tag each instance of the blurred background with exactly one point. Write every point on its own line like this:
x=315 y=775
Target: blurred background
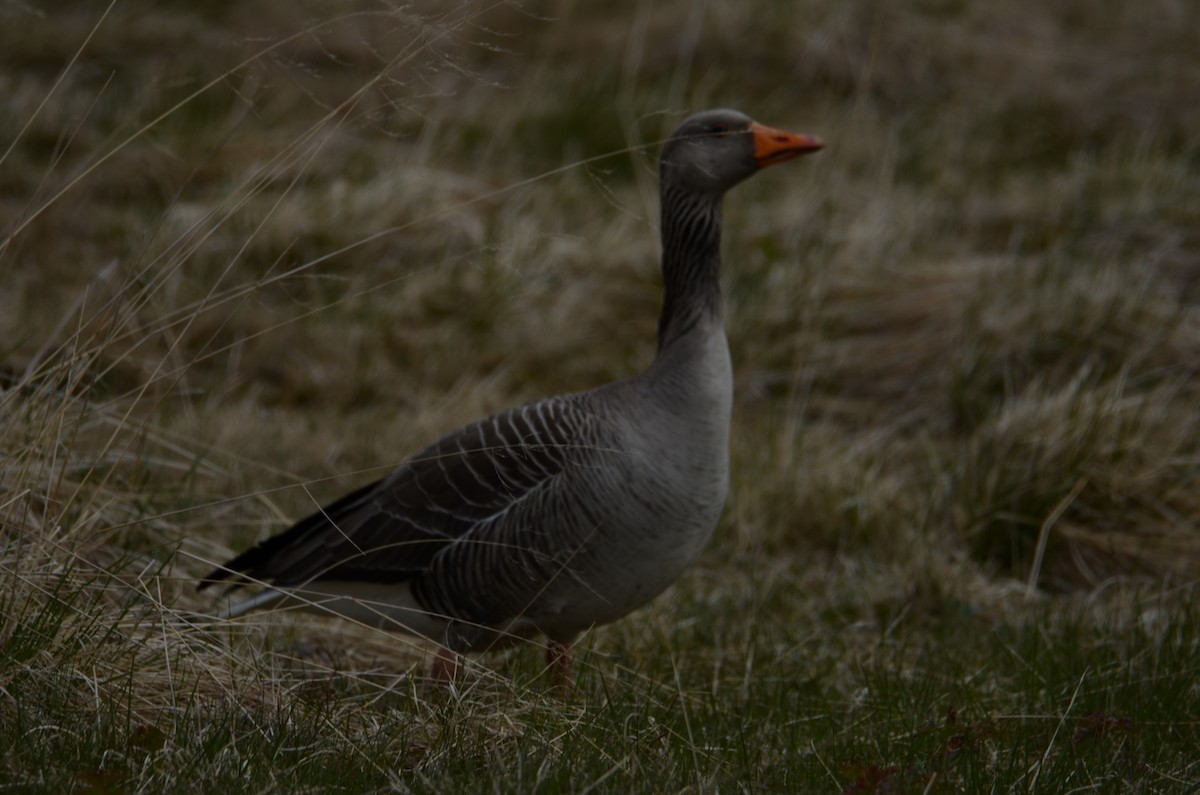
x=254 y=254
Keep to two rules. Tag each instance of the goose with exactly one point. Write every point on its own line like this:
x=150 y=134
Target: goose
x=564 y=513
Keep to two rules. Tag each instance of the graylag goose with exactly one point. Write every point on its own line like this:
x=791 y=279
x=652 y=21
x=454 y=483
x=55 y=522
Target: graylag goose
x=564 y=513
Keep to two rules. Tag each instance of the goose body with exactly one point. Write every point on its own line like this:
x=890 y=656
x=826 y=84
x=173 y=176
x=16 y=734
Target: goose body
x=563 y=513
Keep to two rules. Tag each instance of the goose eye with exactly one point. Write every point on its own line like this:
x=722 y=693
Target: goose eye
x=720 y=130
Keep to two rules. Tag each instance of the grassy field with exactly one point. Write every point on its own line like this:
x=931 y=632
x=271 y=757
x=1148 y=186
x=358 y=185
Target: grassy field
x=254 y=254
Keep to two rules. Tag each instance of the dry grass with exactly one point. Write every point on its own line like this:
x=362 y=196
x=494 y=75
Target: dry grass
x=254 y=255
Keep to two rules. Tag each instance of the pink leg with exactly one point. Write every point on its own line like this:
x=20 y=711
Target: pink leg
x=445 y=668
x=558 y=660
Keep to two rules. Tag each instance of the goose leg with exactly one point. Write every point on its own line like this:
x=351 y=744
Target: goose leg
x=559 y=661
x=445 y=668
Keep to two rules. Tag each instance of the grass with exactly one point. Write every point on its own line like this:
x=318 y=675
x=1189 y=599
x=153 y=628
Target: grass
x=256 y=254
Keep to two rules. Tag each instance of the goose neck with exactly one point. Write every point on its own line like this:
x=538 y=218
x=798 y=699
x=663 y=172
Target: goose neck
x=691 y=263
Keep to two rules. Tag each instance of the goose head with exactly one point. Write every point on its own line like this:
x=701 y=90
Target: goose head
x=712 y=151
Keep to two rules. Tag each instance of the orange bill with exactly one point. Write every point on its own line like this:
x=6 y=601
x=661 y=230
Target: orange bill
x=773 y=146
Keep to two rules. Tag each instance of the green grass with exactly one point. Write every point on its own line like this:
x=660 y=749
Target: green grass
x=255 y=254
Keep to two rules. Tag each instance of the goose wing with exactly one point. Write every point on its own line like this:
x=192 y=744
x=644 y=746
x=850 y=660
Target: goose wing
x=392 y=530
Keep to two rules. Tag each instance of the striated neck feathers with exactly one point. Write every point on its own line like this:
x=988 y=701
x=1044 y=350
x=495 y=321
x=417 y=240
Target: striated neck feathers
x=691 y=260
